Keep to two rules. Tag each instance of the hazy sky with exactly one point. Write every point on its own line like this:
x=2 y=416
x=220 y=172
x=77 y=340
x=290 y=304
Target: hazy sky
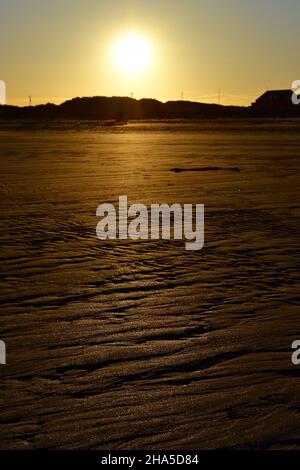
x=59 y=49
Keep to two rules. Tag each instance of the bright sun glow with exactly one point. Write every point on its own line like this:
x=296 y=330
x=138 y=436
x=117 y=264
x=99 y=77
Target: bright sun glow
x=133 y=54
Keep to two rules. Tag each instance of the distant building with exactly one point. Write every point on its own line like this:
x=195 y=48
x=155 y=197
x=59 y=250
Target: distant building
x=277 y=100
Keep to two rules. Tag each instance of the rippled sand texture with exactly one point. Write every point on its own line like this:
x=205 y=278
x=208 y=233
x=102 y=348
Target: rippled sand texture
x=143 y=345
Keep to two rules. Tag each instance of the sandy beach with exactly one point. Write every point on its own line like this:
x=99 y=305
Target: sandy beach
x=142 y=344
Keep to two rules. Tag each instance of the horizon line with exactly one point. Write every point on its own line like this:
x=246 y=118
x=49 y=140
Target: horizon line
x=133 y=99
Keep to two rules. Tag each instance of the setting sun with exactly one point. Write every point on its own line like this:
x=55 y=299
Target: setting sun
x=133 y=54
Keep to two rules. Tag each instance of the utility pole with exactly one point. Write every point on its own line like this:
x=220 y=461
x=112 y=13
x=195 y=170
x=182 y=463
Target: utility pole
x=29 y=100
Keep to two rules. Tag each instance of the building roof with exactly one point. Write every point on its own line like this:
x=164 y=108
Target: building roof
x=275 y=99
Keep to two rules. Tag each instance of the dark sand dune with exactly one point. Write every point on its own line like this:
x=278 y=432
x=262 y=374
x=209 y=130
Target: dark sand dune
x=144 y=345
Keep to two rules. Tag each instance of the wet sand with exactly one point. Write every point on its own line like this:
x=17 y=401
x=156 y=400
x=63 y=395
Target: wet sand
x=142 y=344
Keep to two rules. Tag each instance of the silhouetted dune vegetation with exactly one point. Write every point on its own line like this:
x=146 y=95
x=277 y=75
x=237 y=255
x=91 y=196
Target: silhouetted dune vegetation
x=123 y=108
